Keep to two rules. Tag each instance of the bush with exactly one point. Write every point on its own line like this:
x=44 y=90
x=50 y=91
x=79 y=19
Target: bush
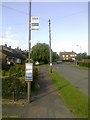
x=3 y=73
x=16 y=82
x=5 y=66
x=42 y=63
x=18 y=70
x=12 y=85
x=84 y=64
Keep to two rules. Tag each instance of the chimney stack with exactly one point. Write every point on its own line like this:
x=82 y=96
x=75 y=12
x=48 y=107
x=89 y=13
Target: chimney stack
x=5 y=45
x=9 y=47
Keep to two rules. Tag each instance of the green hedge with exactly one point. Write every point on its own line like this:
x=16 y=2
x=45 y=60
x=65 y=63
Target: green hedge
x=84 y=64
x=12 y=85
x=15 y=82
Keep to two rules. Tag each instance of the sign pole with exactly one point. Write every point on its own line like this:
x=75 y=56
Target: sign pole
x=28 y=89
x=34 y=24
x=29 y=78
x=29 y=82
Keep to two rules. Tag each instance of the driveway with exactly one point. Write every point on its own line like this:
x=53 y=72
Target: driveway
x=78 y=77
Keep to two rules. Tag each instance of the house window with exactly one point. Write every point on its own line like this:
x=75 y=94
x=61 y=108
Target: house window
x=66 y=55
x=18 y=60
x=63 y=55
x=71 y=55
x=66 y=58
x=75 y=54
x=73 y=58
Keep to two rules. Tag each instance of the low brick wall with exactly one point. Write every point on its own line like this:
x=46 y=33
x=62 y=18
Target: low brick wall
x=86 y=60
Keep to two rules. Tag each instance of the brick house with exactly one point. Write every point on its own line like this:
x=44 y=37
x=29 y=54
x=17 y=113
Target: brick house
x=68 y=56
x=11 y=56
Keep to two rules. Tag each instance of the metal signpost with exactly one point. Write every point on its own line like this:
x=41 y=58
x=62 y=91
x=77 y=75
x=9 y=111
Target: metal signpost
x=29 y=77
x=33 y=25
x=29 y=51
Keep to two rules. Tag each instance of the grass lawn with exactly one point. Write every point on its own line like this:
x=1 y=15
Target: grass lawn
x=79 y=67
x=74 y=99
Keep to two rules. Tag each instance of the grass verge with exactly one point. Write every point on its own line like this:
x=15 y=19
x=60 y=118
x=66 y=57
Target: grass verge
x=74 y=99
x=11 y=118
x=79 y=67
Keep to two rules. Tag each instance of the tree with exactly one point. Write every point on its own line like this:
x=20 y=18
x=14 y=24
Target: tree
x=40 y=53
x=81 y=56
x=55 y=56
x=84 y=55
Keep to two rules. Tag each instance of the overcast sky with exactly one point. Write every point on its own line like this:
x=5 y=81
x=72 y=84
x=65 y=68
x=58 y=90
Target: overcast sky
x=69 y=25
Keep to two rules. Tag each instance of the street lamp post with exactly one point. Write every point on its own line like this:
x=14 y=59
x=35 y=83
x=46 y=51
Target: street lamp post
x=80 y=51
x=80 y=48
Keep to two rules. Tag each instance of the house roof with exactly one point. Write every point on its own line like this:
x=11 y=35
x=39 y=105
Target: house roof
x=65 y=53
x=18 y=54
x=7 y=53
x=2 y=55
x=12 y=53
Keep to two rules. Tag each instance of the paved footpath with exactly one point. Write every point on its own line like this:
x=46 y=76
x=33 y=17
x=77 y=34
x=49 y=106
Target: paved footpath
x=46 y=103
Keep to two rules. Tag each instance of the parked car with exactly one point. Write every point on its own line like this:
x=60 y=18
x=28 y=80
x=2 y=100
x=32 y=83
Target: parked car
x=59 y=62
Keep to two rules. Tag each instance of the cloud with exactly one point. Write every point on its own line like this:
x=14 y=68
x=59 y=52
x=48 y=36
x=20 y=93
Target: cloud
x=9 y=28
x=69 y=45
x=10 y=38
x=9 y=33
x=10 y=42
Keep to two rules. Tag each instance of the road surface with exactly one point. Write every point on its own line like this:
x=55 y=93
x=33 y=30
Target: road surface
x=78 y=77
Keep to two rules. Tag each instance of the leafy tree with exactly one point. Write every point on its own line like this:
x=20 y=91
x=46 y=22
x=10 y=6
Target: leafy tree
x=55 y=56
x=88 y=56
x=81 y=56
x=40 y=52
x=84 y=55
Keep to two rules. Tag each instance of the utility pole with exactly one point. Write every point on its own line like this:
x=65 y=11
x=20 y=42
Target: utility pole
x=29 y=52
x=50 y=45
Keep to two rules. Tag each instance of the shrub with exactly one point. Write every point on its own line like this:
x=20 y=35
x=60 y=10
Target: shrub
x=17 y=70
x=84 y=64
x=3 y=73
x=16 y=83
x=11 y=85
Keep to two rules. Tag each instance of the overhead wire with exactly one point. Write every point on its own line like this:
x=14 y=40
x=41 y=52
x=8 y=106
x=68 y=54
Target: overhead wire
x=69 y=15
x=15 y=10
x=44 y=19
